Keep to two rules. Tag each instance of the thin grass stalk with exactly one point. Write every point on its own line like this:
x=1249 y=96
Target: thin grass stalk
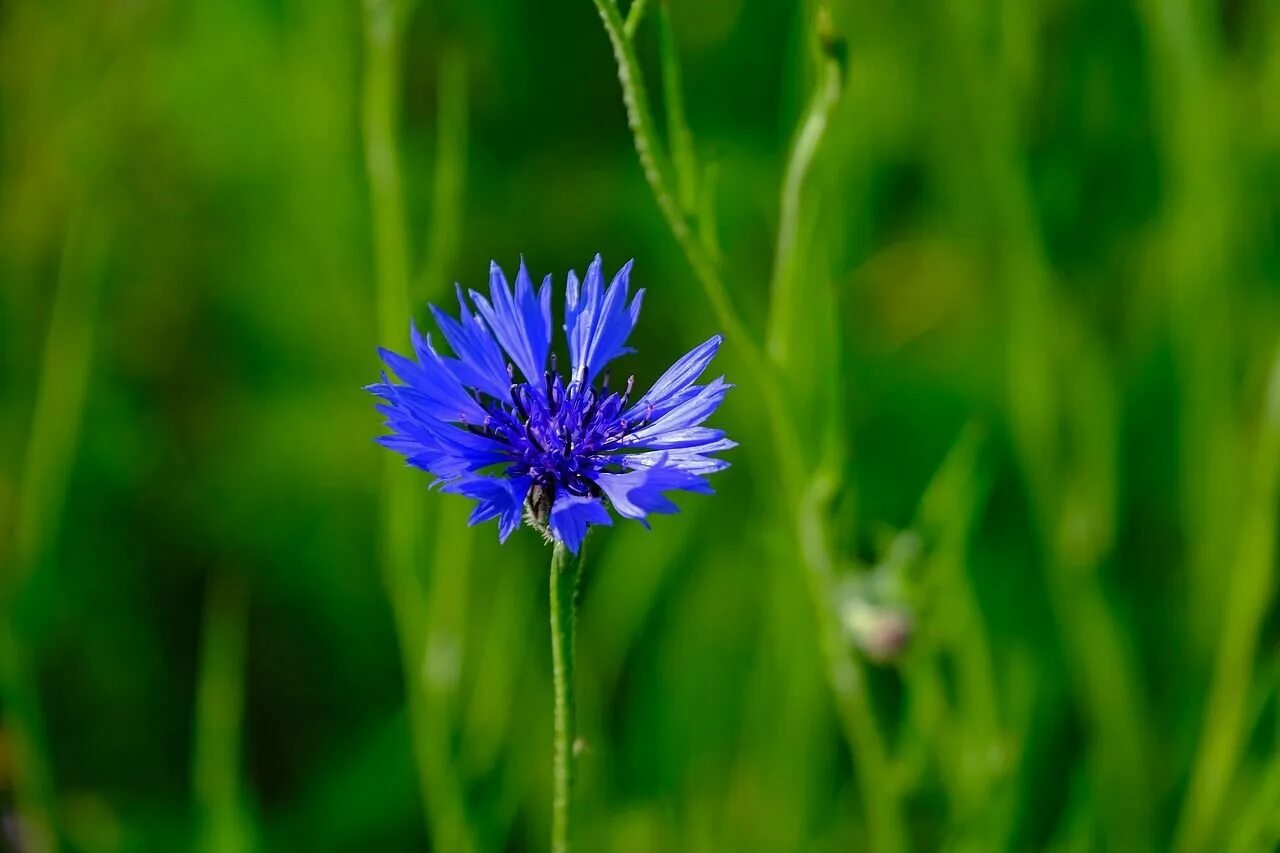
x=846 y=677
x=1219 y=517
x=444 y=235
x=402 y=499
x=804 y=149
x=708 y=227
x=1250 y=587
x=449 y=586
x=635 y=15
x=54 y=433
x=805 y=504
x=656 y=168
x=219 y=716
x=448 y=589
x=679 y=137
x=948 y=512
x=1196 y=248
x=1105 y=679
x=1258 y=827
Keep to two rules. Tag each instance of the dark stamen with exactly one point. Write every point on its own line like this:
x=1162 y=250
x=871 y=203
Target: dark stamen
x=529 y=434
x=517 y=399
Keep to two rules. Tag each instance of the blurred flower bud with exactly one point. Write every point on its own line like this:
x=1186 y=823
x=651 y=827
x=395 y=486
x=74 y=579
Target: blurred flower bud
x=880 y=631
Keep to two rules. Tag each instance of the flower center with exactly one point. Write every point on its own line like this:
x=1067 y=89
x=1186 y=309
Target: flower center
x=560 y=434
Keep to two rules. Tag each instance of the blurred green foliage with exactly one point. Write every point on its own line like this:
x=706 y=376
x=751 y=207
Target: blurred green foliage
x=1034 y=261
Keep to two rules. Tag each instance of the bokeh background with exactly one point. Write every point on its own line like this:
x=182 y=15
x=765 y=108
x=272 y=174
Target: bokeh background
x=1036 y=315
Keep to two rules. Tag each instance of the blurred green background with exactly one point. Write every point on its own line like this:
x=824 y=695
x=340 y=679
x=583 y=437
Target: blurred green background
x=1036 y=307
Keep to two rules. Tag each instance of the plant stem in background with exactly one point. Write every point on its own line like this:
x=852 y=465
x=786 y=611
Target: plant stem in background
x=654 y=163
x=656 y=168
x=402 y=502
x=566 y=570
x=805 y=505
x=635 y=14
x=444 y=234
x=847 y=678
x=1249 y=590
x=679 y=137
x=1196 y=248
x=444 y=630
x=812 y=127
x=975 y=752
x=55 y=424
x=219 y=716
x=449 y=584
x=1073 y=503
x=1220 y=516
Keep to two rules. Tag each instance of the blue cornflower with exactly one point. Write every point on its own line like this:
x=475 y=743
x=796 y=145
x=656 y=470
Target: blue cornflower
x=501 y=424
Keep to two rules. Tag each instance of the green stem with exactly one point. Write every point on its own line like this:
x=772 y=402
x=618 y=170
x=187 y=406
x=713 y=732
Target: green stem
x=679 y=137
x=566 y=569
x=1249 y=590
x=219 y=717
x=844 y=675
x=1043 y=382
x=654 y=163
x=55 y=425
x=634 y=16
x=383 y=19
x=812 y=129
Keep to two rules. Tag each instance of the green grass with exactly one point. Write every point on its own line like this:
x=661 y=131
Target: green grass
x=999 y=287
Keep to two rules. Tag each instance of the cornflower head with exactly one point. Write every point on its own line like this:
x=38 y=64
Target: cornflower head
x=499 y=422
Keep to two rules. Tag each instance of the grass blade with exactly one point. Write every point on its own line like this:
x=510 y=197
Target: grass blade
x=817 y=115
x=403 y=504
x=1248 y=597
x=679 y=137
x=219 y=717
x=55 y=425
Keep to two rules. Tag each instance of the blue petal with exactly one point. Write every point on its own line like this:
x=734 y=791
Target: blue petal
x=570 y=516
x=597 y=324
x=638 y=493
x=421 y=415
x=694 y=459
x=689 y=413
x=544 y=304
x=434 y=381
x=497 y=497
x=667 y=392
x=481 y=364
x=679 y=439
x=437 y=447
x=581 y=302
x=518 y=322
x=535 y=322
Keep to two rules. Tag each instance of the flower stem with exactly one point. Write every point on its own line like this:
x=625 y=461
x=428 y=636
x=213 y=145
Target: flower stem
x=867 y=747
x=816 y=117
x=566 y=569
